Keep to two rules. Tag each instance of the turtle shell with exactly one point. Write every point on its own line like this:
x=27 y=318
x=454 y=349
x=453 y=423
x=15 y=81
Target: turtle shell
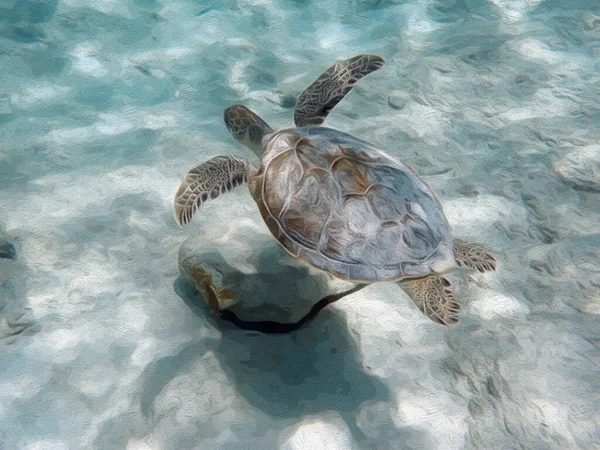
x=346 y=207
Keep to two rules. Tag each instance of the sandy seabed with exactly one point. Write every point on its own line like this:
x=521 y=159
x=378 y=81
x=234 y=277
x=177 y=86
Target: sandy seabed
x=104 y=106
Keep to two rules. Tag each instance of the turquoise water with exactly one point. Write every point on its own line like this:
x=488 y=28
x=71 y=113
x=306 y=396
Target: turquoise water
x=105 y=106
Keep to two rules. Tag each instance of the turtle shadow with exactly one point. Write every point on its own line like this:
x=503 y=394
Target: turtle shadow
x=315 y=368
x=292 y=296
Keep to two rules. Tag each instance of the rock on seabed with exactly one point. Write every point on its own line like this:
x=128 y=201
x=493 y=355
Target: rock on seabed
x=581 y=168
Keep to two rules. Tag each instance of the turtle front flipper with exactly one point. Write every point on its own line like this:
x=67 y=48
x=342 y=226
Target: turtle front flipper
x=246 y=127
x=208 y=180
x=433 y=295
x=473 y=256
x=326 y=91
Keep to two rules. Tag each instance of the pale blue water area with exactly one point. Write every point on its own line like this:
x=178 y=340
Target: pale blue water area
x=104 y=107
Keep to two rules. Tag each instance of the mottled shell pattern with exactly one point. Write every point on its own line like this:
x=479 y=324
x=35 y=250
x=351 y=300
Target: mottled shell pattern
x=346 y=207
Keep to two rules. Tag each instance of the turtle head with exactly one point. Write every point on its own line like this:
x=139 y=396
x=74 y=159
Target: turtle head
x=247 y=127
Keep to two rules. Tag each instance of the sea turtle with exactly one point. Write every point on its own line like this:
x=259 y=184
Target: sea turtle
x=338 y=203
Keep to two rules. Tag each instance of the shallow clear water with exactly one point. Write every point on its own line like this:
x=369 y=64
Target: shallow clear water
x=105 y=105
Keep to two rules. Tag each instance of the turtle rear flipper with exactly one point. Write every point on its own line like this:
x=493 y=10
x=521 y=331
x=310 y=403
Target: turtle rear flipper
x=246 y=127
x=473 y=256
x=208 y=180
x=433 y=295
x=326 y=91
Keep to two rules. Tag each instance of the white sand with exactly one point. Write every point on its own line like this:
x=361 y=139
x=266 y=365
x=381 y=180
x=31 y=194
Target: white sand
x=104 y=106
